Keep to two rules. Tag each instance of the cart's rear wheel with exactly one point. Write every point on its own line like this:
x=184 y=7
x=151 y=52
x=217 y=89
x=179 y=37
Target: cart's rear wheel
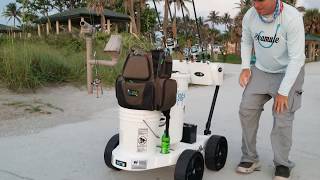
x=111 y=145
x=190 y=166
x=216 y=152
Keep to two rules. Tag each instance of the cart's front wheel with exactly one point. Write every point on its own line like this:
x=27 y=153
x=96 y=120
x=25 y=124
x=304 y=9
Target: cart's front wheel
x=216 y=152
x=111 y=145
x=190 y=166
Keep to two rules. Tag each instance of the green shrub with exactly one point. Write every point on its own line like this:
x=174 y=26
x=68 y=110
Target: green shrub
x=230 y=58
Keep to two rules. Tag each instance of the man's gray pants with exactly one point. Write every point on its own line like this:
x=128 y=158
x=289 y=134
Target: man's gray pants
x=260 y=89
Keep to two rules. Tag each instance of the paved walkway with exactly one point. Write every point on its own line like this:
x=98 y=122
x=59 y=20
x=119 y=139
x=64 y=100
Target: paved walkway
x=74 y=150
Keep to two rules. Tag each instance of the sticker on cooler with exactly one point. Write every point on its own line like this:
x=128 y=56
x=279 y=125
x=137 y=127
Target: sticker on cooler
x=121 y=163
x=180 y=97
x=139 y=164
x=142 y=140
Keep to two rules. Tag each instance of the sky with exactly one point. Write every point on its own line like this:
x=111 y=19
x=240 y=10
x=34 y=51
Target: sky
x=203 y=7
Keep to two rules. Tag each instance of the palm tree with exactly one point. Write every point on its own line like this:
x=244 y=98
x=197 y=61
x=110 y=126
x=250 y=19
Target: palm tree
x=129 y=8
x=311 y=21
x=140 y=7
x=226 y=37
x=291 y=2
x=244 y=4
x=214 y=34
x=214 y=18
x=226 y=20
x=165 y=17
x=178 y=4
x=132 y=16
x=12 y=12
x=236 y=30
x=98 y=6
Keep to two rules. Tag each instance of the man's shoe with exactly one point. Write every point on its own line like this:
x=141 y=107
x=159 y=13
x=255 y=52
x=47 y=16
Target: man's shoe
x=248 y=167
x=282 y=173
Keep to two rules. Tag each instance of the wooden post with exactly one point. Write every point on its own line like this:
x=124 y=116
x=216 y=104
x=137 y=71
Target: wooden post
x=69 y=25
x=57 y=27
x=81 y=31
x=127 y=27
x=116 y=27
x=310 y=50
x=89 y=67
x=20 y=35
x=48 y=30
x=112 y=48
x=130 y=27
x=39 y=30
x=108 y=26
x=313 y=51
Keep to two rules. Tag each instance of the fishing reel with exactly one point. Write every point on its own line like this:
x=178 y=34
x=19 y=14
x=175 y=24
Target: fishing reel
x=198 y=53
x=186 y=54
x=158 y=39
x=159 y=42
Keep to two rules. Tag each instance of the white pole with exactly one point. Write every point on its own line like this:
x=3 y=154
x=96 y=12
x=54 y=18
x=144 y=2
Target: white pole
x=39 y=30
x=89 y=67
x=57 y=27
x=69 y=25
x=108 y=26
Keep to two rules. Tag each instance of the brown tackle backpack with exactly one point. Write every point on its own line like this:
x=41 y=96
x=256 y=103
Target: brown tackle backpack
x=145 y=82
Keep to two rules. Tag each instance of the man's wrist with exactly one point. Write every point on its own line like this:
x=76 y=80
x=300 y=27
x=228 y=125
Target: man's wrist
x=245 y=67
x=282 y=93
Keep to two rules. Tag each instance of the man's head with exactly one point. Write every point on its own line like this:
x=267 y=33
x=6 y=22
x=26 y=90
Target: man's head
x=264 y=7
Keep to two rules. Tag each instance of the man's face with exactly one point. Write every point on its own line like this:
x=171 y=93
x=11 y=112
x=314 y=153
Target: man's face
x=264 y=7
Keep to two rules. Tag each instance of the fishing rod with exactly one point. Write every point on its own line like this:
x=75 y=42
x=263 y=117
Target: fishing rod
x=170 y=13
x=155 y=7
x=198 y=28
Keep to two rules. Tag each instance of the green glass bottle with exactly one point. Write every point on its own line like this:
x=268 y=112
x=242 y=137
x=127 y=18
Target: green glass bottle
x=165 y=144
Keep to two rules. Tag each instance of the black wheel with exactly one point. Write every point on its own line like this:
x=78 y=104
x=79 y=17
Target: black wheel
x=190 y=166
x=216 y=152
x=111 y=145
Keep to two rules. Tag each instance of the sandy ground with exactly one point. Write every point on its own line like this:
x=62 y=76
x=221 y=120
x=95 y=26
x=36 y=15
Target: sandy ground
x=60 y=133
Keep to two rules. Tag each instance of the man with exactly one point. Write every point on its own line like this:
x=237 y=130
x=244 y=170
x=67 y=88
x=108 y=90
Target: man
x=276 y=32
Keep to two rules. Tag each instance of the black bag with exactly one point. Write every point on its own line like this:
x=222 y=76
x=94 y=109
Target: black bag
x=144 y=83
x=162 y=63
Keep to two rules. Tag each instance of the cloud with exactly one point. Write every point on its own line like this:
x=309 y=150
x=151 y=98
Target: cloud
x=308 y=4
x=311 y=3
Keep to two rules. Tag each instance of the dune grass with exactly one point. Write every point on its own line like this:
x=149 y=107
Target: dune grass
x=34 y=62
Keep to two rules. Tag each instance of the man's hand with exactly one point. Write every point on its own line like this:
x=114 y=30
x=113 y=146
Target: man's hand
x=244 y=77
x=280 y=103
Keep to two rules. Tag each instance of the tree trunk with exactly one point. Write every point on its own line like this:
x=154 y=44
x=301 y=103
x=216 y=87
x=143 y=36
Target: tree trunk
x=132 y=16
x=72 y=4
x=142 y=5
x=236 y=48
x=126 y=7
x=313 y=52
x=174 y=23
x=139 y=19
x=103 y=22
x=165 y=18
x=310 y=51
